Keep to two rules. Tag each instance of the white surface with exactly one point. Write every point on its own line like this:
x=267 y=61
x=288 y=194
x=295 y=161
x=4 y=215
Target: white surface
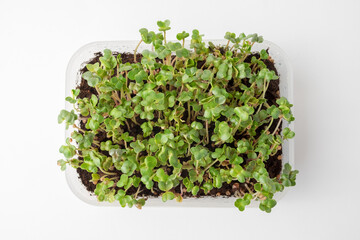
x=86 y=52
x=321 y=39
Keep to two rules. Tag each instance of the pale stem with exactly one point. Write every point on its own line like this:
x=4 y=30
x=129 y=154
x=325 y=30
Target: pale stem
x=277 y=126
x=137 y=49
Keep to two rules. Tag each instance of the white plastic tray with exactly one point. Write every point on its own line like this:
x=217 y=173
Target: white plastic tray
x=85 y=53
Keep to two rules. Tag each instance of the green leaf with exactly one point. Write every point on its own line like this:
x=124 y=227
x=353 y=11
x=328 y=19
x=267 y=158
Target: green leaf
x=116 y=154
x=243 y=146
x=287 y=133
x=181 y=36
x=173 y=46
x=185 y=96
x=128 y=167
x=267 y=204
x=62 y=164
x=224 y=131
x=68 y=151
x=70 y=100
x=108 y=60
x=199 y=152
x=123 y=180
x=241 y=113
x=147 y=36
x=164 y=25
x=141 y=76
x=92 y=124
x=91 y=78
x=264 y=54
x=206 y=75
x=196 y=125
x=150 y=162
x=167 y=196
x=274 y=111
x=230 y=36
x=68 y=117
x=95 y=158
x=160 y=173
x=182 y=52
x=288 y=177
x=238 y=172
x=149 y=54
x=241 y=203
x=195 y=190
x=222 y=71
x=93 y=100
x=137 y=146
x=166 y=186
x=173 y=159
x=147 y=128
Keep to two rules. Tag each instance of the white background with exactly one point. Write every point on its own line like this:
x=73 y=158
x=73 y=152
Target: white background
x=321 y=38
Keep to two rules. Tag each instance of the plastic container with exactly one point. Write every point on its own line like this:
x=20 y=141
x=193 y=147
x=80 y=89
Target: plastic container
x=85 y=53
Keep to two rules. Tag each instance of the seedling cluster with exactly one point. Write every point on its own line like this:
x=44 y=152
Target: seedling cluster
x=202 y=120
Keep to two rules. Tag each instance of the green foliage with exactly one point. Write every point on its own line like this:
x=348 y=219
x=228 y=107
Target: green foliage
x=183 y=118
x=241 y=203
x=288 y=177
x=164 y=25
x=68 y=117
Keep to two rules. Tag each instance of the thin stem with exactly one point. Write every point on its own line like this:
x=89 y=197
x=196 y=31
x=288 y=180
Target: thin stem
x=211 y=165
x=116 y=96
x=137 y=192
x=259 y=109
x=268 y=127
x=244 y=58
x=134 y=120
x=97 y=90
x=227 y=45
x=247 y=187
x=189 y=150
x=126 y=78
x=236 y=84
x=183 y=42
x=195 y=116
x=265 y=88
x=277 y=126
x=173 y=61
x=189 y=113
x=121 y=94
x=182 y=88
x=108 y=173
x=136 y=50
x=236 y=128
x=207 y=131
x=127 y=124
x=81 y=130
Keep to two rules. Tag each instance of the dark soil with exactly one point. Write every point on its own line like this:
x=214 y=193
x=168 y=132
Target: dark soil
x=273 y=164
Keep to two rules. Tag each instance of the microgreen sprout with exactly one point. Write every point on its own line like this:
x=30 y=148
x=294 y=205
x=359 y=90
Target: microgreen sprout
x=192 y=119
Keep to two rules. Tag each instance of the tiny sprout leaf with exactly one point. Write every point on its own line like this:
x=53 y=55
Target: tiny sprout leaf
x=150 y=162
x=167 y=196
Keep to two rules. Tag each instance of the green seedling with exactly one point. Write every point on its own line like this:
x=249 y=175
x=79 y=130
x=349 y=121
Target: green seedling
x=183 y=118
